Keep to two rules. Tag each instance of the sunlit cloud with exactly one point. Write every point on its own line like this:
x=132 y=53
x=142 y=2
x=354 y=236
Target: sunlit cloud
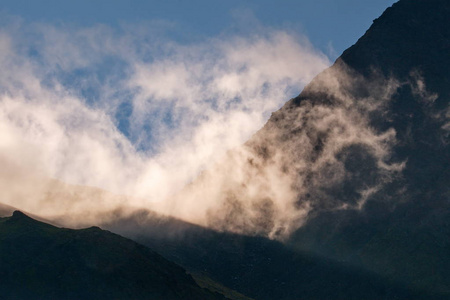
x=131 y=111
x=315 y=154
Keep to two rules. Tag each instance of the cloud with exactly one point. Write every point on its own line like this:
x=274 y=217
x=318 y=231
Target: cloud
x=94 y=119
x=132 y=112
x=319 y=152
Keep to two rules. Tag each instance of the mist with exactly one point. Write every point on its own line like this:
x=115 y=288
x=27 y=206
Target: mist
x=96 y=118
x=99 y=120
x=320 y=152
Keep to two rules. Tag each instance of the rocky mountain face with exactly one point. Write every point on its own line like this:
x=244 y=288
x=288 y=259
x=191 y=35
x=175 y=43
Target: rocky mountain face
x=402 y=228
x=40 y=261
x=373 y=128
x=352 y=175
x=344 y=194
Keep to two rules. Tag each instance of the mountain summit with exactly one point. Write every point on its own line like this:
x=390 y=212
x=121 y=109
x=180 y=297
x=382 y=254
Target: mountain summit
x=368 y=143
x=352 y=176
x=354 y=170
x=368 y=134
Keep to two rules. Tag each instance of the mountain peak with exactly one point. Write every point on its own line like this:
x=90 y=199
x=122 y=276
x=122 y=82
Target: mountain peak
x=19 y=214
x=409 y=34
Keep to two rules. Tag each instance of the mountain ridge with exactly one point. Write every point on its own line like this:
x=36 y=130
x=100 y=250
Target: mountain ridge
x=41 y=261
x=363 y=156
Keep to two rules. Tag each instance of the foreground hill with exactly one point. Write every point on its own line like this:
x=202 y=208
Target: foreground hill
x=40 y=261
x=363 y=158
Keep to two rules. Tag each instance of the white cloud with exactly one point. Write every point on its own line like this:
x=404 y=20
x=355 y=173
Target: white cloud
x=189 y=104
x=322 y=154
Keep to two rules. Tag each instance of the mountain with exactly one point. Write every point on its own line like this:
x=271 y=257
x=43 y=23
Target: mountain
x=402 y=231
x=40 y=261
x=352 y=176
x=256 y=266
x=344 y=194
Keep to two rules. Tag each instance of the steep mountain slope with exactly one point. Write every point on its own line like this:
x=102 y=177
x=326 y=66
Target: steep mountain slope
x=40 y=261
x=372 y=125
x=354 y=172
x=352 y=175
x=402 y=231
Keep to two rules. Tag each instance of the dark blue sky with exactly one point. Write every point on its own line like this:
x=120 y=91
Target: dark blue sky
x=338 y=23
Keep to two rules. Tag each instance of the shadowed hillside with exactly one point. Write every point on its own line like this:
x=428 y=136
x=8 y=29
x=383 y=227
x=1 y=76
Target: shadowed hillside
x=361 y=162
x=40 y=261
x=256 y=266
x=352 y=176
x=402 y=231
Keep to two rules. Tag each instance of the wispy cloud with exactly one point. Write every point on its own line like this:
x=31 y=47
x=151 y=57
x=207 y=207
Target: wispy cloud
x=131 y=111
x=318 y=153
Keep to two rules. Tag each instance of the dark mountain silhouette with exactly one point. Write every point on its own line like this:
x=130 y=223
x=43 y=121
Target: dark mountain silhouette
x=40 y=261
x=366 y=145
x=403 y=230
x=255 y=266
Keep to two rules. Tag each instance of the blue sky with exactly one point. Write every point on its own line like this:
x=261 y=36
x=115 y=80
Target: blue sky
x=338 y=23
